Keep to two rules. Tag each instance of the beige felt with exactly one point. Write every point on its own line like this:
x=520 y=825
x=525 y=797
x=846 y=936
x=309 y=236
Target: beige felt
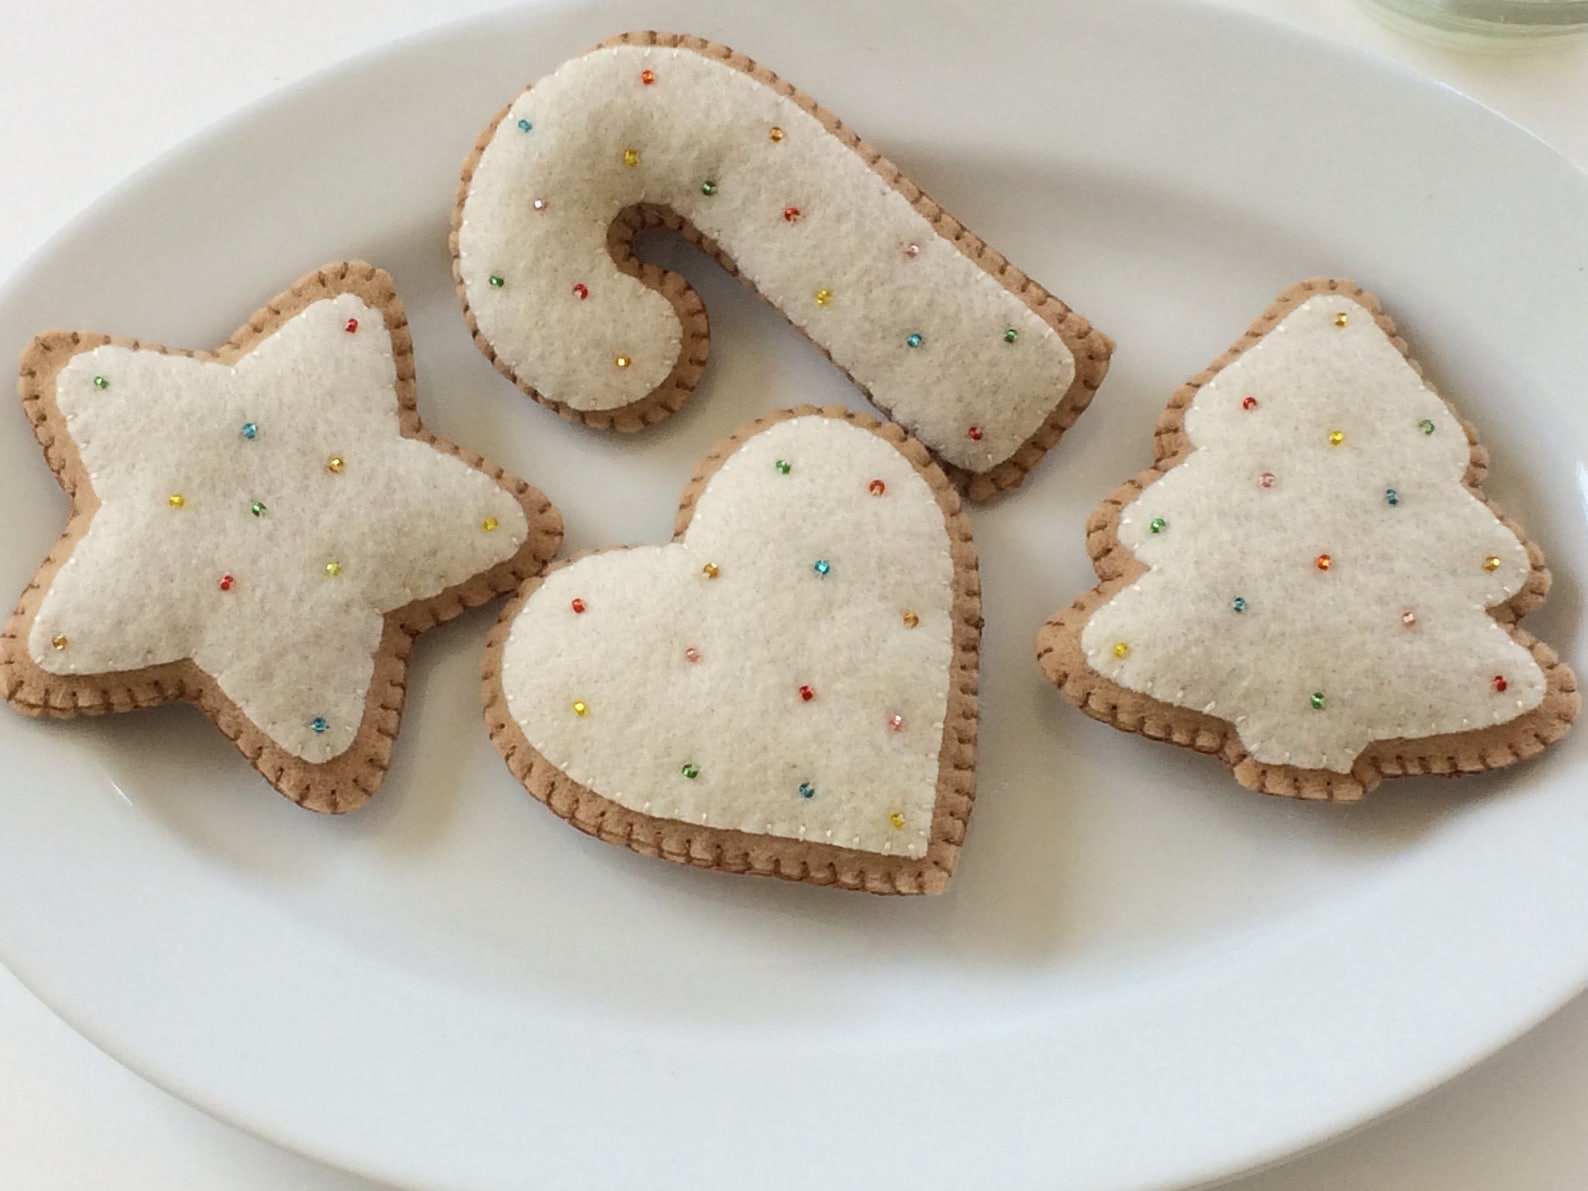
x=1063 y=658
x=350 y=778
x=765 y=854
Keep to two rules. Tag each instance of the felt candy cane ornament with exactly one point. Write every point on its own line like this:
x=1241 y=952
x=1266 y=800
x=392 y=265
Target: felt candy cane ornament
x=963 y=350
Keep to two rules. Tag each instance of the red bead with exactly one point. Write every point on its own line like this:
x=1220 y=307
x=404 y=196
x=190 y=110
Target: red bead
x=581 y=291
x=876 y=487
x=647 y=77
x=1500 y=684
x=807 y=694
x=974 y=433
x=791 y=214
x=226 y=582
x=350 y=326
x=1266 y=480
x=1324 y=562
x=577 y=605
x=1248 y=402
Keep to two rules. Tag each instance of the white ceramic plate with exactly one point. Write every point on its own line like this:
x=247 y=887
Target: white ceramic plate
x=1142 y=975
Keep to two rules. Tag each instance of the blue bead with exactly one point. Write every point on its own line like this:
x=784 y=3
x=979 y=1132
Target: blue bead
x=1391 y=497
x=524 y=126
x=821 y=566
x=250 y=430
x=1239 y=604
x=807 y=790
x=913 y=339
x=318 y=724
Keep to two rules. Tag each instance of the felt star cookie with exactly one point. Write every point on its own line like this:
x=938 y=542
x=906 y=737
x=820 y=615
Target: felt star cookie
x=261 y=530
x=787 y=689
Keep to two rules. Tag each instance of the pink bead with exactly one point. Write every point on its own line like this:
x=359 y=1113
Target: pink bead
x=896 y=722
x=691 y=655
x=1266 y=480
x=539 y=204
x=912 y=250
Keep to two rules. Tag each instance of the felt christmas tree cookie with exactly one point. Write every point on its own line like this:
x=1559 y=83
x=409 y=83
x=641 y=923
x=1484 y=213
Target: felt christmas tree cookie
x=262 y=530
x=948 y=339
x=1310 y=583
x=787 y=689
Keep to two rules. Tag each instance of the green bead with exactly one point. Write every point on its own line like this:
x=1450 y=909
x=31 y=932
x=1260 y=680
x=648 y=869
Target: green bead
x=689 y=771
x=1426 y=425
x=1011 y=335
x=257 y=508
x=1157 y=525
x=708 y=187
x=784 y=466
x=101 y=383
x=497 y=281
x=1317 y=700
x=524 y=126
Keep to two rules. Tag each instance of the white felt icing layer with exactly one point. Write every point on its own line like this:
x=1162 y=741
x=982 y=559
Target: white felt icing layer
x=1338 y=632
x=287 y=642
x=765 y=626
x=702 y=120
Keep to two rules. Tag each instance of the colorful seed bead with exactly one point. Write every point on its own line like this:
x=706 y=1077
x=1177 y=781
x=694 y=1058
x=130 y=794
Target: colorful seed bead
x=540 y=204
x=1266 y=480
x=897 y=820
x=895 y=722
x=974 y=434
x=1409 y=619
x=1500 y=684
x=581 y=290
x=1323 y=562
x=708 y=187
x=691 y=655
x=806 y=694
x=823 y=297
x=1341 y=319
x=791 y=214
x=1010 y=334
x=876 y=487
x=913 y=339
x=250 y=431
x=710 y=570
x=807 y=790
x=580 y=707
x=257 y=508
x=497 y=281
x=60 y=641
x=101 y=383
x=631 y=157
x=333 y=568
x=176 y=500
x=1336 y=437
x=647 y=77
x=577 y=605
x=1238 y=604
x=821 y=566
x=1426 y=425
x=335 y=464
x=1316 y=700
x=912 y=251
x=1391 y=497
x=622 y=361
x=1121 y=649
x=775 y=134
x=689 y=771
x=1157 y=525
x=227 y=582
x=910 y=620
x=1491 y=564
x=1248 y=403
x=351 y=326
x=525 y=126
x=318 y=725
x=784 y=467
x=489 y=524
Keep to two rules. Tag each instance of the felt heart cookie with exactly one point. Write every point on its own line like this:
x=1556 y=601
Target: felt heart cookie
x=1310 y=583
x=262 y=530
x=788 y=689
x=963 y=350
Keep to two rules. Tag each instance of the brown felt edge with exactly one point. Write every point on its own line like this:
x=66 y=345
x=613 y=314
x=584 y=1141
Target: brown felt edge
x=762 y=855
x=346 y=781
x=1064 y=663
x=1090 y=348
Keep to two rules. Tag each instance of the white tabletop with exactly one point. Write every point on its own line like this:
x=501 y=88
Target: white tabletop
x=96 y=88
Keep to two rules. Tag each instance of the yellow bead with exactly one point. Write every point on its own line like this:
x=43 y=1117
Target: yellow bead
x=1491 y=563
x=333 y=569
x=176 y=500
x=710 y=570
x=1336 y=437
x=622 y=361
x=335 y=464
x=823 y=296
x=1341 y=319
x=488 y=524
x=631 y=157
x=1121 y=649
x=897 y=819
x=911 y=620
x=580 y=707
x=776 y=134
x=59 y=641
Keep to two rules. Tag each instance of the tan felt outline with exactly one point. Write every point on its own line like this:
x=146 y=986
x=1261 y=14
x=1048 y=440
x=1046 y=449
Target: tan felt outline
x=1450 y=754
x=1090 y=347
x=762 y=855
x=345 y=782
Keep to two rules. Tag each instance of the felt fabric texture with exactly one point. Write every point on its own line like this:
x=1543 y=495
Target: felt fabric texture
x=262 y=530
x=792 y=667
x=969 y=363
x=1310 y=582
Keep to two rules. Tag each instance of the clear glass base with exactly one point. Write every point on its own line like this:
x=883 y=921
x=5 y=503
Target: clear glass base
x=1507 y=20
